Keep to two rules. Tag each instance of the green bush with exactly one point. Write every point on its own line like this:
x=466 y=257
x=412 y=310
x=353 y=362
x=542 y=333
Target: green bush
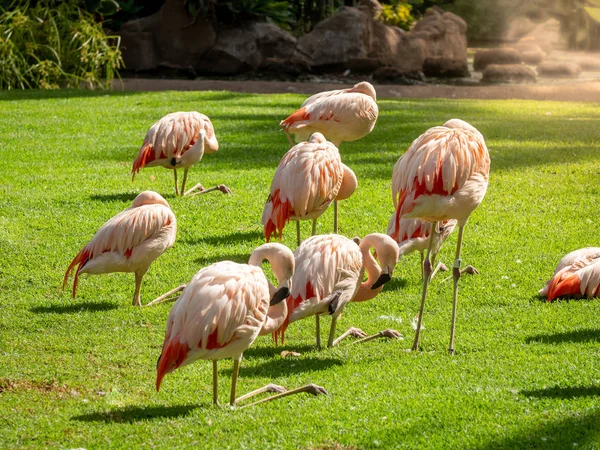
x=397 y=13
x=51 y=46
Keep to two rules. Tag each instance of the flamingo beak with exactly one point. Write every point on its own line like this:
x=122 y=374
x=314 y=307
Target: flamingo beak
x=383 y=278
x=280 y=295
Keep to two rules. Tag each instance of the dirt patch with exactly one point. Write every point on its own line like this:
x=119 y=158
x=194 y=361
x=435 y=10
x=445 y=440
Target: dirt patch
x=584 y=91
x=27 y=385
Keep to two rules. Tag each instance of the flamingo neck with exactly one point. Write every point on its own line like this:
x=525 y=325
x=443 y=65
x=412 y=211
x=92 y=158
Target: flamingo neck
x=275 y=318
x=373 y=272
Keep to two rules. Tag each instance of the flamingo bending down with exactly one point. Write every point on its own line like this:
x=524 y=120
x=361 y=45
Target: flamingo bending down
x=577 y=274
x=220 y=313
x=329 y=275
x=129 y=242
x=179 y=140
x=413 y=235
x=445 y=176
x=309 y=177
x=341 y=116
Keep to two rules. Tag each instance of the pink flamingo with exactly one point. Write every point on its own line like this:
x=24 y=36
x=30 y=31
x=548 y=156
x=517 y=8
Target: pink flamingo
x=129 y=242
x=577 y=274
x=179 y=139
x=309 y=177
x=341 y=116
x=220 y=313
x=446 y=172
x=329 y=275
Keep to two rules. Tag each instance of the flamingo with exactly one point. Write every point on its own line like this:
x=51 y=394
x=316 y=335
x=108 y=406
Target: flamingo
x=445 y=176
x=341 y=116
x=179 y=139
x=413 y=235
x=309 y=177
x=129 y=242
x=329 y=275
x=220 y=313
x=577 y=274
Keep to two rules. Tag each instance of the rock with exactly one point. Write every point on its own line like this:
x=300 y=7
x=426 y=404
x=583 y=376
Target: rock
x=508 y=73
x=371 y=7
x=392 y=47
x=589 y=64
x=445 y=67
x=517 y=28
x=392 y=75
x=137 y=48
x=335 y=40
x=532 y=57
x=558 y=69
x=504 y=55
x=235 y=51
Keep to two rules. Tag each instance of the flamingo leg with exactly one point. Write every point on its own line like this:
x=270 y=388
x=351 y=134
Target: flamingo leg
x=175 y=177
x=298 y=231
x=268 y=388
x=318 y=330
x=310 y=388
x=387 y=333
x=351 y=332
x=215 y=383
x=201 y=190
x=185 y=173
x=138 y=287
x=426 y=279
x=335 y=216
x=166 y=297
x=422 y=260
x=440 y=266
x=456 y=272
x=234 y=377
x=314 y=227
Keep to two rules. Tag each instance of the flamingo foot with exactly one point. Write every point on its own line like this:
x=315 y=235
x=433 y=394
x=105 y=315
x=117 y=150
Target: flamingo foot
x=387 y=333
x=352 y=332
x=309 y=388
x=201 y=190
x=167 y=296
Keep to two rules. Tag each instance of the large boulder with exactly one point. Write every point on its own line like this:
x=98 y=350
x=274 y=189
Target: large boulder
x=503 y=55
x=558 y=69
x=508 y=73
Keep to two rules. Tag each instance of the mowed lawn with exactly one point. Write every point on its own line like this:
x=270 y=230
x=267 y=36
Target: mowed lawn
x=81 y=372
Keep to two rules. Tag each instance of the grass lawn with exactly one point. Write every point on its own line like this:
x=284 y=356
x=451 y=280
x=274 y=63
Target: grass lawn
x=80 y=373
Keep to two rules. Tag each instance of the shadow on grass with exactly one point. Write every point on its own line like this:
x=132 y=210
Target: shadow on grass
x=567 y=392
x=131 y=414
x=238 y=236
x=578 y=431
x=73 y=308
x=121 y=197
x=583 y=335
x=259 y=352
x=395 y=284
x=241 y=258
x=281 y=367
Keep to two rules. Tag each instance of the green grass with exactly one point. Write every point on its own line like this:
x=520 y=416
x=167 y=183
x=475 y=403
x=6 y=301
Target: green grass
x=80 y=373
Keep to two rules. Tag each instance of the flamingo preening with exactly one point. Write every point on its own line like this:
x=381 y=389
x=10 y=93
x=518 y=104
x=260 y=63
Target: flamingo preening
x=341 y=116
x=577 y=275
x=309 y=177
x=220 y=313
x=329 y=275
x=445 y=176
x=129 y=242
x=179 y=140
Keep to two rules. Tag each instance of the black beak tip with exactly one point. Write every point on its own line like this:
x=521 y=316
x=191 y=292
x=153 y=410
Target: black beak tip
x=279 y=296
x=384 y=278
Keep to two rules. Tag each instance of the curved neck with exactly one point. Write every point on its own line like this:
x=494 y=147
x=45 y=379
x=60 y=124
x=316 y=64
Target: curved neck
x=373 y=272
x=275 y=318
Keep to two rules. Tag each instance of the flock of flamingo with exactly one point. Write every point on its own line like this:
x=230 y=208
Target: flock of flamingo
x=437 y=183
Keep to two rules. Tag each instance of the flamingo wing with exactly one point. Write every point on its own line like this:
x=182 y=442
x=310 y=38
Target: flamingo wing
x=582 y=278
x=122 y=234
x=224 y=305
x=440 y=161
x=307 y=180
x=172 y=136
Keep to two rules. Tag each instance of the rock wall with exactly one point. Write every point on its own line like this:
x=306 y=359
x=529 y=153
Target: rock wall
x=350 y=39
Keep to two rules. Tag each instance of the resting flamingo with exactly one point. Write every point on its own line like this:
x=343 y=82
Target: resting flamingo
x=309 y=177
x=129 y=242
x=220 y=313
x=341 y=116
x=446 y=172
x=329 y=275
x=179 y=140
x=577 y=274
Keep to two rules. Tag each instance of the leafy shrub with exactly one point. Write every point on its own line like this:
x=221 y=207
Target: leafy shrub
x=48 y=46
x=397 y=13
